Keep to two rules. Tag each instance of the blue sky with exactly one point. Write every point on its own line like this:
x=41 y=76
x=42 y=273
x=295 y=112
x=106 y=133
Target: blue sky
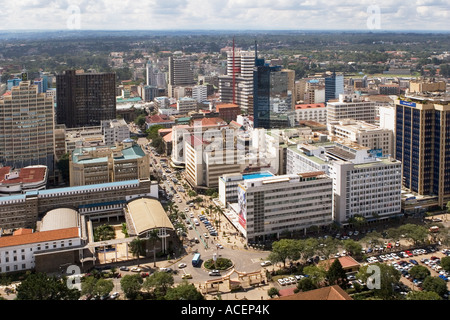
x=225 y=14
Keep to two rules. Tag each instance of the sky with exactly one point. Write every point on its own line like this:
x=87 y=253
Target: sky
x=362 y=15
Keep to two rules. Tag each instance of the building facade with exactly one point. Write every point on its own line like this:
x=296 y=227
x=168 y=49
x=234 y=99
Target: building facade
x=85 y=99
x=27 y=128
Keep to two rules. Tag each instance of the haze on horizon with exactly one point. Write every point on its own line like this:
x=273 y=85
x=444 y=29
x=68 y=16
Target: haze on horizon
x=363 y=15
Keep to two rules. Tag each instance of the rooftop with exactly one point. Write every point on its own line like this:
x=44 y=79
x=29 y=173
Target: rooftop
x=36 y=237
x=326 y=293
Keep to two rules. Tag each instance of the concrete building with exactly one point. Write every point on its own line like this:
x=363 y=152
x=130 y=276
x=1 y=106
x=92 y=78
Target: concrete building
x=180 y=74
x=200 y=93
x=311 y=112
x=365 y=134
x=85 y=99
x=351 y=107
x=125 y=161
x=228 y=111
x=115 y=131
x=271 y=206
x=97 y=201
x=186 y=105
x=27 y=128
x=422 y=136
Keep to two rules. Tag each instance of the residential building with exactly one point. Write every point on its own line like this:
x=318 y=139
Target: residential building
x=27 y=128
x=200 y=93
x=351 y=107
x=115 y=131
x=85 y=99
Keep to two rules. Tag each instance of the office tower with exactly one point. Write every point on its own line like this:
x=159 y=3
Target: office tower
x=85 y=99
x=334 y=86
x=200 y=93
x=237 y=87
x=270 y=206
x=272 y=98
x=422 y=135
x=27 y=128
x=180 y=74
x=154 y=77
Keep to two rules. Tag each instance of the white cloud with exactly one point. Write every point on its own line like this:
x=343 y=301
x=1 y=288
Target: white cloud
x=225 y=14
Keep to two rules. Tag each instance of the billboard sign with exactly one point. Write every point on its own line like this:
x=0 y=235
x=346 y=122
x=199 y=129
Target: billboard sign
x=242 y=201
x=406 y=103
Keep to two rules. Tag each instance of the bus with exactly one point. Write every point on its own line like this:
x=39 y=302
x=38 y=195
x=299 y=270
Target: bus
x=196 y=260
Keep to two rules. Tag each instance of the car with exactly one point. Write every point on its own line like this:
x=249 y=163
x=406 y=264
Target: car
x=355 y=233
x=206 y=235
x=266 y=263
x=292 y=280
x=114 y=295
x=351 y=277
x=299 y=277
x=414 y=262
x=135 y=269
x=186 y=276
x=214 y=273
x=165 y=269
x=218 y=245
x=124 y=268
x=182 y=265
x=281 y=282
x=145 y=274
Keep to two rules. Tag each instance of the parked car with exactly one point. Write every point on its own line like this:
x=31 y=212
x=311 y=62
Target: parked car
x=124 y=268
x=266 y=263
x=281 y=282
x=214 y=273
x=135 y=269
x=182 y=265
x=414 y=262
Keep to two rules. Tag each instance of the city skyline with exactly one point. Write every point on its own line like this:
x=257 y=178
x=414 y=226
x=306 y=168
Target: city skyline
x=365 y=15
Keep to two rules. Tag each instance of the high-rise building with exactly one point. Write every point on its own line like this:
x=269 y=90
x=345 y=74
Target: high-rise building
x=200 y=93
x=334 y=86
x=422 y=144
x=180 y=74
x=85 y=99
x=272 y=95
x=237 y=87
x=27 y=128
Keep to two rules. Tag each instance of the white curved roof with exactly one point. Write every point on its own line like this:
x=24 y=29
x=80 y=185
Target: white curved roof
x=147 y=214
x=60 y=218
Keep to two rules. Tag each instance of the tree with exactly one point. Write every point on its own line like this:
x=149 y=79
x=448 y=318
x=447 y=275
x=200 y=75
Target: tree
x=140 y=120
x=435 y=284
x=103 y=287
x=422 y=295
x=306 y=284
x=336 y=274
x=184 y=291
x=158 y=283
x=419 y=272
x=387 y=278
x=353 y=248
x=153 y=237
x=284 y=249
x=63 y=167
x=88 y=285
x=39 y=286
x=137 y=248
x=104 y=232
x=131 y=285
x=445 y=263
x=272 y=292
x=317 y=274
x=415 y=233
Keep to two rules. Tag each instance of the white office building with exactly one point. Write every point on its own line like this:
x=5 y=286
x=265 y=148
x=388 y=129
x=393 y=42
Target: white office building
x=268 y=207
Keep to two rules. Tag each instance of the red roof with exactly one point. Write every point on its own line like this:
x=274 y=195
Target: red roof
x=28 y=238
x=26 y=175
x=226 y=106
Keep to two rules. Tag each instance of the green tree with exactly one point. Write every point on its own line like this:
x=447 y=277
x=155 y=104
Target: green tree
x=435 y=284
x=317 y=274
x=272 y=292
x=422 y=295
x=419 y=272
x=131 y=285
x=388 y=277
x=140 y=120
x=152 y=132
x=39 y=286
x=336 y=274
x=158 y=283
x=104 y=232
x=353 y=248
x=184 y=291
x=284 y=249
x=88 y=285
x=137 y=248
x=306 y=284
x=445 y=263
x=63 y=167
x=417 y=234
x=153 y=238
x=103 y=287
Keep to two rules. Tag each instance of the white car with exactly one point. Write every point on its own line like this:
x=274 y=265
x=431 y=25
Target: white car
x=115 y=295
x=135 y=269
x=182 y=265
x=281 y=282
x=266 y=263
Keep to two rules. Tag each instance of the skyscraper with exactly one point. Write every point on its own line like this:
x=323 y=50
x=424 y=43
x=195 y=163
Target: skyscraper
x=27 y=128
x=422 y=144
x=334 y=86
x=180 y=74
x=85 y=99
